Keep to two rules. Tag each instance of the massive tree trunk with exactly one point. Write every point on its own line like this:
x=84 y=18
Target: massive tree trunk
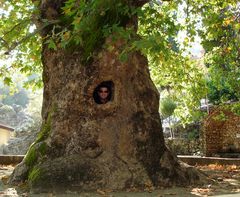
x=85 y=145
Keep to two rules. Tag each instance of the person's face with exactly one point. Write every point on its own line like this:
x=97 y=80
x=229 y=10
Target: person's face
x=103 y=93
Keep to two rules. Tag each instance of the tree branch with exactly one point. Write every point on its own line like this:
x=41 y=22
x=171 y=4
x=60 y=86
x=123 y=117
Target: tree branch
x=17 y=25
x=5 y=42
x=17 y=43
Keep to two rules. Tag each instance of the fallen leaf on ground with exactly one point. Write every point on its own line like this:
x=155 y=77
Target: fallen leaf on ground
x=101 y=192
x=5 y=179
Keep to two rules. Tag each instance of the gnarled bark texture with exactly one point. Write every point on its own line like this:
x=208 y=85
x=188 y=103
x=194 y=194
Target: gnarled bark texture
x=84 y=145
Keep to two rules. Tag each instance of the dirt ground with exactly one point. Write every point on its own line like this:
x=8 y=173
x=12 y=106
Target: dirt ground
x=224 y=182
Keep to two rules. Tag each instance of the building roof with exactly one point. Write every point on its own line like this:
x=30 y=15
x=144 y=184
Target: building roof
x=6 y=127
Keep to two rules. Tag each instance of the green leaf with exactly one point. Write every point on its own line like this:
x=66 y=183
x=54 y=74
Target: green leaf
x=123 y=57
x=7 y=81
x=52 y=45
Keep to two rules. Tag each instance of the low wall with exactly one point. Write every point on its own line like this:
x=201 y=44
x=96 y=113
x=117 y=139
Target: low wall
x=10 y=159
x=191 y=160
x=198 y=160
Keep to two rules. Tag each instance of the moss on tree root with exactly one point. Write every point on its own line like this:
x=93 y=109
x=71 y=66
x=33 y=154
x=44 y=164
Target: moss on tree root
x=37 y=151
x=34 y=174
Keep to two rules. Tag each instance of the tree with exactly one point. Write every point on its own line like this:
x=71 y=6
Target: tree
x=217 y=94
x=18 y=95
x=172 y=66
x=84 y=145
x=167 y=107
x=220 y=38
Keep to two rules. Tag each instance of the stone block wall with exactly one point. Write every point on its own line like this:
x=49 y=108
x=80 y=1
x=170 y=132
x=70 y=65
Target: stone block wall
x=221 y=132
x=181 y=146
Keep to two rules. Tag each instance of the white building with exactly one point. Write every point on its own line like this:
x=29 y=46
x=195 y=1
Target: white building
x=5 y=133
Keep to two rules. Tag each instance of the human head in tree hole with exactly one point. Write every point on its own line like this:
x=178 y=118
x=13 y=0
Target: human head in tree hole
x=103 y=93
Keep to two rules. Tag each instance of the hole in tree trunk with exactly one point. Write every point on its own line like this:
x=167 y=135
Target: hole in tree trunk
x=103 y=93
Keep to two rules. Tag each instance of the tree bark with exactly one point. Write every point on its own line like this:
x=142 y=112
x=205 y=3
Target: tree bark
x=84 y=145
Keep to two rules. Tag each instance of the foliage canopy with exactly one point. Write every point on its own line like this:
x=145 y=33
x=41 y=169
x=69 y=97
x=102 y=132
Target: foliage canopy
x=172 y=67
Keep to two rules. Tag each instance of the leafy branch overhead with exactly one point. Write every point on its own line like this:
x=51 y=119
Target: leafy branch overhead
x=83 y=25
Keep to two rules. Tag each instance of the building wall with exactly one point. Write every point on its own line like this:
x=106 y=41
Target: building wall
x=221 y=132
x=231 y=136
x=4 y=136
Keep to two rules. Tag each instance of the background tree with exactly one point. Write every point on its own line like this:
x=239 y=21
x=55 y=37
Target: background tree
x=219 y=31
x=167 y=107
x=14 y=92
x=172 y=66
x=19 y=97
x=222 y=93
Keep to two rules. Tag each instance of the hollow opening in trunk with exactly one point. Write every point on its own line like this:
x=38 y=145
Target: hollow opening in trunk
x=103 y=93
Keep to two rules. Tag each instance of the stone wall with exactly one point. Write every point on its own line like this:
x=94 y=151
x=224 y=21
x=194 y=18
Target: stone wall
x=182 y=146
x=221 y=132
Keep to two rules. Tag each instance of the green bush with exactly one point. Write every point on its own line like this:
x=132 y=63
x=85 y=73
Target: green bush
x=167 y=107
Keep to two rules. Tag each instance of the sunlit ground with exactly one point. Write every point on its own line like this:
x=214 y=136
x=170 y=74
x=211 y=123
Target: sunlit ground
x=224 y=181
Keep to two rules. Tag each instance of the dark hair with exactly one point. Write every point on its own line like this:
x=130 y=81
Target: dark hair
x=105 y=84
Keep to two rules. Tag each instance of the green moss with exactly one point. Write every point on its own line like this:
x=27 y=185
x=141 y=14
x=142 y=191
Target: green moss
x=42 y=148
x=45 y=131
x=31 y=156
x=34 y=151
x=34 y=174
x=46 y=128
x=38 y=149
x=31 y=160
